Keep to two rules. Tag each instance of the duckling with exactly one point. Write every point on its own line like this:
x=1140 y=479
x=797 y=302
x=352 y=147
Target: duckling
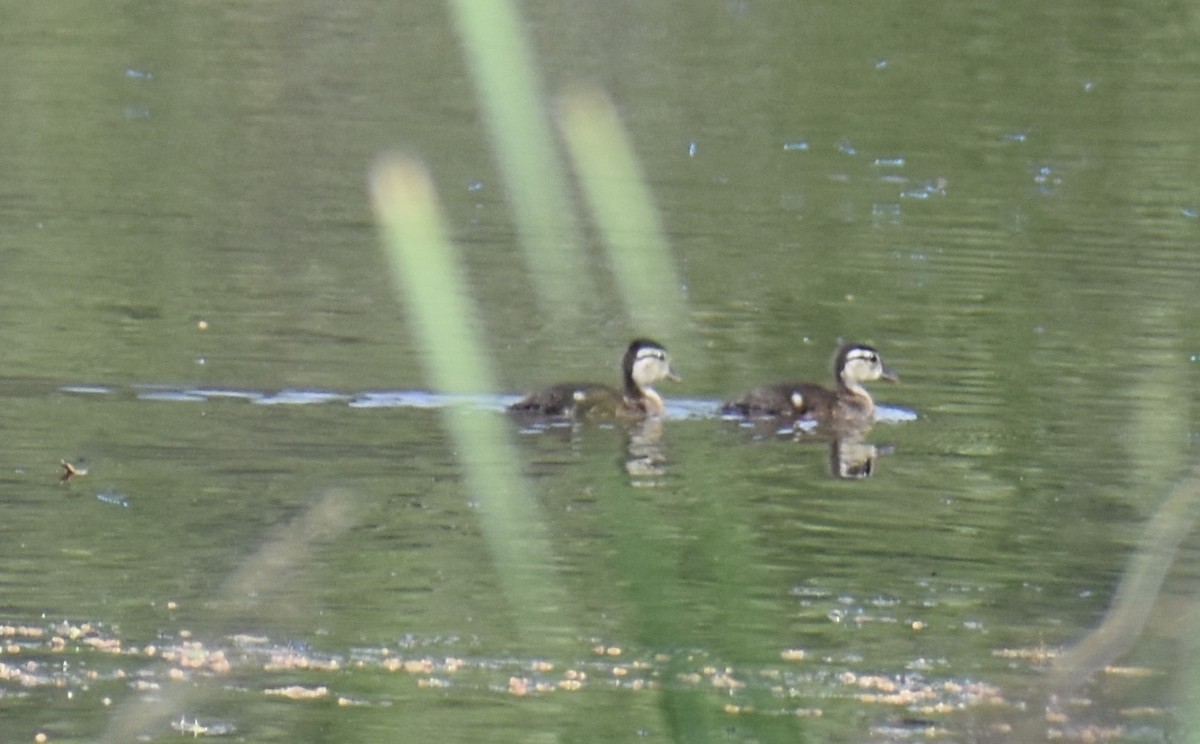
x=644 y=364
x=848 y=403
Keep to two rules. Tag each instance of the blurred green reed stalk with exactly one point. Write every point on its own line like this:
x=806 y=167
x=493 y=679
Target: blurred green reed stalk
x=624 y=211
x=507 y=82
x=257 y=586
x=1189 y=698
x=511 y=93
x=426 y=270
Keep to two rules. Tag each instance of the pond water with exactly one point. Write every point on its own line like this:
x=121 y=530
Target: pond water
x=274 y=539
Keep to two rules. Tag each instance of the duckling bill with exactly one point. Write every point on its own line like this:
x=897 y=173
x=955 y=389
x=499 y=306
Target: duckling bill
x=644 y=364
x=848 y=402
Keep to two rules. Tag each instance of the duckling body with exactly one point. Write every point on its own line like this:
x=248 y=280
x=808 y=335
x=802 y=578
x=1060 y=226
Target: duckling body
x=849 y=402
x=645 y=364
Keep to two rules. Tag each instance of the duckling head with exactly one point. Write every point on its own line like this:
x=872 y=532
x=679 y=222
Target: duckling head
x=647 y=362
x=857 y=363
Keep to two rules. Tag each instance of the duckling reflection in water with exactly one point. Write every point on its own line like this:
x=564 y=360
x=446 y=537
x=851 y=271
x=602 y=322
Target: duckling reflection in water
x=850 y=458
x=848 y=405
x=644 y=365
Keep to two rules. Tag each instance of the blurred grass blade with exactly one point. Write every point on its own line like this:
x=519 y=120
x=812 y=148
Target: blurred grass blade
x=624 y=211
x=507 y=83
x=1136 y=594
x=256 y=587
x=428 y=276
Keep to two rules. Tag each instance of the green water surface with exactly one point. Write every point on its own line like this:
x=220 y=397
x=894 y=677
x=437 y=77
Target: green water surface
x=1000 y=197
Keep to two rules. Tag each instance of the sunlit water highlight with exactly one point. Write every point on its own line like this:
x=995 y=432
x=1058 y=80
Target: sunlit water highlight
x=677 y=408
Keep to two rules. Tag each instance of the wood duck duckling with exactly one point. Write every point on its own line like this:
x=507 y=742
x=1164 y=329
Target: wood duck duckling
x=849 y=402
x=645 y=363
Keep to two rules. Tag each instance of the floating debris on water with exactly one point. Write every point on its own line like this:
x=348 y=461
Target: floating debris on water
x=298 y=692
x=197 y=729
x=71 y=470
x=800 y=683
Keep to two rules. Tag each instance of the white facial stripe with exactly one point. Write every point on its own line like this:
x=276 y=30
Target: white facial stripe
x=861 y=355
x=651 y=353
